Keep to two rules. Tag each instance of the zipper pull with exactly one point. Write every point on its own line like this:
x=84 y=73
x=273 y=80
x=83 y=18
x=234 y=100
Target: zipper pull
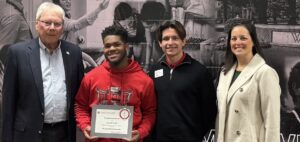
x=171 y=72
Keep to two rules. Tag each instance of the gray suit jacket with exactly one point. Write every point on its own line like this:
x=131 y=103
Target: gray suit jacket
x=23 y=97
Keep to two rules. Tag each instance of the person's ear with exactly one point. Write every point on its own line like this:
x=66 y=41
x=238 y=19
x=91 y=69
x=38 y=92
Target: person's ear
x=160 y=44
x=36 y=25
x=184 y=43
x=126 y=45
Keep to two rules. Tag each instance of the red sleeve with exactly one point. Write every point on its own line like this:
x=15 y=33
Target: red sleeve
x=82 y=109
x=148 y=108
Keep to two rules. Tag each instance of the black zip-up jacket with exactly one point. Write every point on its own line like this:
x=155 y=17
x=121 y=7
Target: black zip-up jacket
x=186 y=101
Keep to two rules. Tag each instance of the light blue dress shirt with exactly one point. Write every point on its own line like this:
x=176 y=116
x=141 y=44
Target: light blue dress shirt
x=54 y=84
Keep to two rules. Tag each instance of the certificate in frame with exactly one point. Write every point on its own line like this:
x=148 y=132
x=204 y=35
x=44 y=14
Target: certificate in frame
x=112 y=121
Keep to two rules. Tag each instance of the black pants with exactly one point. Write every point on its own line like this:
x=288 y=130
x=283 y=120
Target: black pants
x=56 y=132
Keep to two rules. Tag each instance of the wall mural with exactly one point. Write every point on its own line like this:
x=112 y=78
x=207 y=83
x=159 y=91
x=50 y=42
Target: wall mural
x=277 y=23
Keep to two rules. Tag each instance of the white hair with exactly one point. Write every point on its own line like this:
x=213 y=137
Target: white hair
x=46 y=6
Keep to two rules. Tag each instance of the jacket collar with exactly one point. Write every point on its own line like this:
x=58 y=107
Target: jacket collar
x=34 y=59
x=186 y=60
x=256 y=62
x=35 y=63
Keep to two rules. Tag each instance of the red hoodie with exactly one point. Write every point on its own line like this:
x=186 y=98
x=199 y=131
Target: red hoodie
x=137 y=88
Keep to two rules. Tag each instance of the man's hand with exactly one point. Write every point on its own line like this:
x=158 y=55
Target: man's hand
x=135 y=137
x=87 y=135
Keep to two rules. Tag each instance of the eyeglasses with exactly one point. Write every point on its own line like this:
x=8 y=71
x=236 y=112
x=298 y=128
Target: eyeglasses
x=49 y=23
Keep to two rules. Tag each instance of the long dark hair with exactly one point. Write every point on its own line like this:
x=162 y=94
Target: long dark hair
x=230 y=58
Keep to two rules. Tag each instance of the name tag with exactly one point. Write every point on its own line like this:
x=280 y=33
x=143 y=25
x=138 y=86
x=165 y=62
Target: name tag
x=158 y=73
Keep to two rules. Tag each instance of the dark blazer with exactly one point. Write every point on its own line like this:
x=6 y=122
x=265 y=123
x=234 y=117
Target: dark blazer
x=23 y=95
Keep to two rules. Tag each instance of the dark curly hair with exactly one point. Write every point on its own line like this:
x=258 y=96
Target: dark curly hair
x=115 y=30
x=230 y=58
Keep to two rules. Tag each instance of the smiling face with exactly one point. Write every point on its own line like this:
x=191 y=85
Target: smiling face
x=49 y=27
x=241 y=42
x=115 y=50
x=171 y=43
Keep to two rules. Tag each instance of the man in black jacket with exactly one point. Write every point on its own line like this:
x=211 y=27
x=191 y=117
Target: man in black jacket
x=186 y=99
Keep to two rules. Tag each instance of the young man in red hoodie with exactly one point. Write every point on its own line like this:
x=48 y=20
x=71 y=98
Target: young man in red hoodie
x=117 y=81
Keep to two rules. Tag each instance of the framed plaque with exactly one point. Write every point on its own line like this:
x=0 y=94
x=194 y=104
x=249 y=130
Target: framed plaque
x=112 y=121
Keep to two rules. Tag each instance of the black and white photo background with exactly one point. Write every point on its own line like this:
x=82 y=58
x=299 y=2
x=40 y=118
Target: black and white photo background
x=277 y=23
